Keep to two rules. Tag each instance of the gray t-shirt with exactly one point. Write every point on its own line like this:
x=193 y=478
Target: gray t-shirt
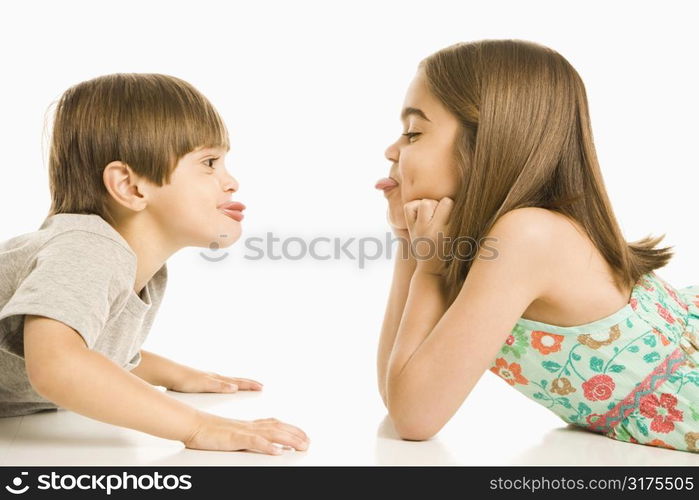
x=79 y=270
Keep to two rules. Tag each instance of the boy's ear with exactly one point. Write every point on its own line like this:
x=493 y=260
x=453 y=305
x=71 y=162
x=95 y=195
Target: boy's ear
x=125 y=186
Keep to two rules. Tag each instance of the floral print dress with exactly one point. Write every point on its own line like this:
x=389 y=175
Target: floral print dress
x=632 y=376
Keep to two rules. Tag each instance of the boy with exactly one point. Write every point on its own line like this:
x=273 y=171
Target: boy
x=136 y=172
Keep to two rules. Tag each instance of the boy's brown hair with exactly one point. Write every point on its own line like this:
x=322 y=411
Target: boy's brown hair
x=145 y=120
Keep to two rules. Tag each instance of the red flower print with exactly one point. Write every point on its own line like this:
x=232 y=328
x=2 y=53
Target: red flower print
x=661 y=336
x=594 y=419
x=510 y=373
x=662 y=411
x=647 y=285
x=674 y=296
x=510 y=340
x=545 y=342
x=598 y=388
x=665 y=313
x=661 y=443
x=634 y=303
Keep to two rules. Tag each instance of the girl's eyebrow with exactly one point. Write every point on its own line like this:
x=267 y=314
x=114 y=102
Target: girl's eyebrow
x=413 y=111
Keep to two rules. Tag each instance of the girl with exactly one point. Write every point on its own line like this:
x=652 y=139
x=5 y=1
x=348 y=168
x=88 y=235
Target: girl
x=513 y=261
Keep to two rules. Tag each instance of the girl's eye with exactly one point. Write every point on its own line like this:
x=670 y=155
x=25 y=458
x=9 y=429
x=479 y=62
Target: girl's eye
x=410 y=135
x=210 y=159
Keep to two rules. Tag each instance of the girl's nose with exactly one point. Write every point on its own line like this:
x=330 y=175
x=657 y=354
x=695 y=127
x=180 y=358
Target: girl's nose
x=391 y=153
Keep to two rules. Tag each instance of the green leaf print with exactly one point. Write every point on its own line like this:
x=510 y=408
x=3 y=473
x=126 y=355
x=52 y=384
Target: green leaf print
x=616 y=368
x=520 y=344
x=543 y=383
x=694 y=408
x=611 y=405
x=583 y=409
x=651 y=357
x=649 y=340
x=551 y=366
x=693 y=377
x=629 y=323
x=641 y=426
x=538 y=395
x=567 y=372
x=621 y=432
x=596 y=364
x=575 y=356
x=633 y=348
x=564 y=401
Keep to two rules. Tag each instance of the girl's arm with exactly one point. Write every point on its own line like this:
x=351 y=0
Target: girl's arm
x=439 y=352
x=403 y=269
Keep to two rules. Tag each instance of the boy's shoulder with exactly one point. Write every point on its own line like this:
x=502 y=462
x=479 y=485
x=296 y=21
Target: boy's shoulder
x=76 y=269
x=70 y=243
x=93 y=224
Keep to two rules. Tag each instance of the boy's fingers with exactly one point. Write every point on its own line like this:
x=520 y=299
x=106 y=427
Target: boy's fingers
x=219 y=385
x=247 y=380
x=243 y=383
x=287 y=438
x=291 y=429
x=248 y=384
x=259 y=443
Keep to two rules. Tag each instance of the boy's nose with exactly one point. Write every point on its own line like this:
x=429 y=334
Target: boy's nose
x=231 y=184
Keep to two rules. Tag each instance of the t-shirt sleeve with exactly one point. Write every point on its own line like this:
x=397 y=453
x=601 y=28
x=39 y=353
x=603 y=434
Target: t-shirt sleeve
x=135 y=361
x=74 y=279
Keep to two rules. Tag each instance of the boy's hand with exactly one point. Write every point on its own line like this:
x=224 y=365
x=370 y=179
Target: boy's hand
x=215 y=433
x=193 y=380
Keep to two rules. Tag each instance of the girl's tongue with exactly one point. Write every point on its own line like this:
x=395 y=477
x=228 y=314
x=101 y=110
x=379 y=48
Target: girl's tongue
x=386 y=183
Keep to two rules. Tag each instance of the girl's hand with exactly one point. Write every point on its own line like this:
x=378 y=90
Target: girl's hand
x=193 y=380
x=427 y=222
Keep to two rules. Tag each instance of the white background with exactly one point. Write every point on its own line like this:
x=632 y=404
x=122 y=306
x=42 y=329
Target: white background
x=310 y=92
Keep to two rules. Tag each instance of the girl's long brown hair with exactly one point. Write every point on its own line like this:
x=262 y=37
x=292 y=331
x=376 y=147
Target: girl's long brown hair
x=526 y=141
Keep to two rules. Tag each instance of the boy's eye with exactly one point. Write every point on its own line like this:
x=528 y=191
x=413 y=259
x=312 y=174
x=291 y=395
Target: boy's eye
x=212 y=160
x=410 y=135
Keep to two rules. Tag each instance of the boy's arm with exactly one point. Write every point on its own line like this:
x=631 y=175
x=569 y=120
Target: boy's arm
x=158 y=370
x=62 y=369
x=403 y=270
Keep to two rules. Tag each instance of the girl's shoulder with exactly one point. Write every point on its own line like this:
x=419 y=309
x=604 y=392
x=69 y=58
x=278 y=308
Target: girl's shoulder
x=580 y=285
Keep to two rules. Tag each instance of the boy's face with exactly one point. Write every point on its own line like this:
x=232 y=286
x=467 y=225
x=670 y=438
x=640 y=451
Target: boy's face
x=186 y=209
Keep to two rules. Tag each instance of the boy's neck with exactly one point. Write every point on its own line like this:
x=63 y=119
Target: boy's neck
x=151 y=246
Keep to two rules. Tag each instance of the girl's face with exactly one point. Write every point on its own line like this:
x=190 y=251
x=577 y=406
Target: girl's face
x=187 y=208
x=423 y=160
